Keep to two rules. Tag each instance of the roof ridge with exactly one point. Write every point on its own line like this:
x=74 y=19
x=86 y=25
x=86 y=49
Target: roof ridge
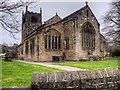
x=53 y=17
x=74 y=12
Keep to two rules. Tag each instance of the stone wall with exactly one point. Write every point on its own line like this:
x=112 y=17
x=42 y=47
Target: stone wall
x=15 y=88
x=105 y=79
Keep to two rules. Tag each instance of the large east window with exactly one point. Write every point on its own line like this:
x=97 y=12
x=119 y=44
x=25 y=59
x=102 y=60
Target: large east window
x=88 y=36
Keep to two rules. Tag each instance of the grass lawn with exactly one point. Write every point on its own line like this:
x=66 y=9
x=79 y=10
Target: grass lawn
x=19 y=74
x=108 y=63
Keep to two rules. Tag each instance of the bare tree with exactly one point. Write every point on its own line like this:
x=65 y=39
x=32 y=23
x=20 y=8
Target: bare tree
x=112 y=22
x=9 y=12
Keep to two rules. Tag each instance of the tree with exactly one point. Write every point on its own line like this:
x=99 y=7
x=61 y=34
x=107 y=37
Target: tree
x=8 y=15
x=3 y=48
x=112 y=22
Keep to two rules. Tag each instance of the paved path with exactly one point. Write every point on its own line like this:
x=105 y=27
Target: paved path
x=51 y=64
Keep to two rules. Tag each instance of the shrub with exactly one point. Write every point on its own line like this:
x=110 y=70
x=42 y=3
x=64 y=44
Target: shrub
x=116 y=53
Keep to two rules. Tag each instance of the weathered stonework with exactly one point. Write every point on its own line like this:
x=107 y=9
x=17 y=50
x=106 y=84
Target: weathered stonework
x=69 y=30
x=105 y=79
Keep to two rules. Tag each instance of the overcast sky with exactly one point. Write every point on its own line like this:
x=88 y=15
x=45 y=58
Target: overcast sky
x=63 y=9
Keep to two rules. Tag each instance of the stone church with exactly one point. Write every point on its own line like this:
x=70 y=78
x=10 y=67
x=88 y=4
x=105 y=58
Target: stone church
x=75 y=37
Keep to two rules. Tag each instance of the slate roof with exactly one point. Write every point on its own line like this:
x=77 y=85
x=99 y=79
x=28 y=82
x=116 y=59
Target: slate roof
x=54 y=19
x=79 y=12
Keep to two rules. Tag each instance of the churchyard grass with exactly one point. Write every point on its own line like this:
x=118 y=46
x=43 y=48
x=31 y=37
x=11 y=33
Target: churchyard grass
x=19 y=74
x=91 y=65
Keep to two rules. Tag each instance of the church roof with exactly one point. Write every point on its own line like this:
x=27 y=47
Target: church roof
x=53 y=20
x=74 y=14
x=56 y=18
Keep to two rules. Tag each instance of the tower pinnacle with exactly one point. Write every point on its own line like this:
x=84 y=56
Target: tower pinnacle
x=86 y=3
x=26 y=8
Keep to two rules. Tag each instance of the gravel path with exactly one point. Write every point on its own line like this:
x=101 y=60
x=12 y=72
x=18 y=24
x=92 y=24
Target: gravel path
x=51 y=64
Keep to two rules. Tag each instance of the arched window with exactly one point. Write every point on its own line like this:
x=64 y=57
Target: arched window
x=26 y=47
x=59 y=42
x=67 y=45
x=32 y=46
x=88 y=36
x=45 y=40
x=52 y=39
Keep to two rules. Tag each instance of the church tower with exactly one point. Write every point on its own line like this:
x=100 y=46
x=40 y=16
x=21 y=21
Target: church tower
x=30 y=21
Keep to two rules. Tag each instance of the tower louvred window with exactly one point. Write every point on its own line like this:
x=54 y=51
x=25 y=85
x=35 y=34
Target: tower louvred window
x=34 y=19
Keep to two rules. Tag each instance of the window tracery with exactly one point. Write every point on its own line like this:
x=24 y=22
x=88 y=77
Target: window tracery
x=52 y=40
x=88 y=36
